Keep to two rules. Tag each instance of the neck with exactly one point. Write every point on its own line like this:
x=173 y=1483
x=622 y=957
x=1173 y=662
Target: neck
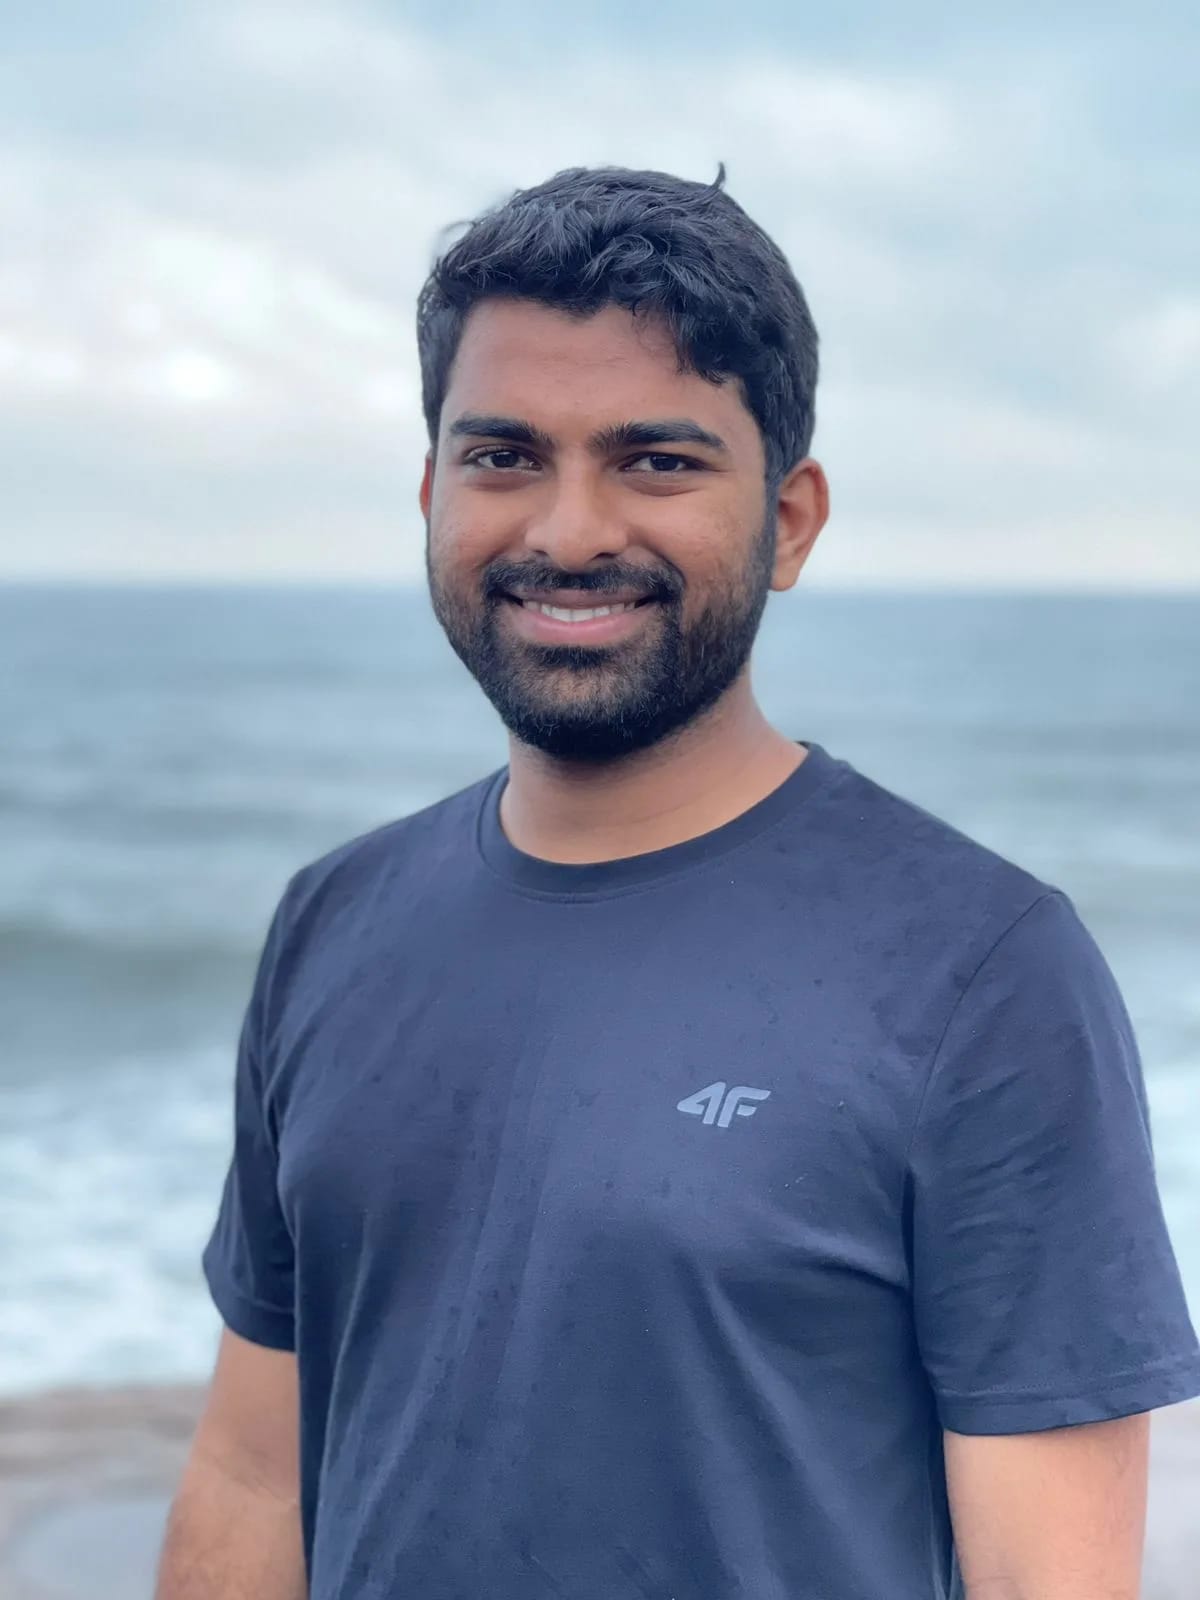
x=690 y=784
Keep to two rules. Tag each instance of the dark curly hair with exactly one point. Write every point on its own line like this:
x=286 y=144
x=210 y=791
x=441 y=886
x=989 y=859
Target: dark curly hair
x=662 y=246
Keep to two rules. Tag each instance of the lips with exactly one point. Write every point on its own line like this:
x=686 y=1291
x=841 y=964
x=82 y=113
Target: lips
x=579 y=613
x=572 y=599
x=578 y=618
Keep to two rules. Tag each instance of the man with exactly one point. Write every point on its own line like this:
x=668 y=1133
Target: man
x=674 y=1166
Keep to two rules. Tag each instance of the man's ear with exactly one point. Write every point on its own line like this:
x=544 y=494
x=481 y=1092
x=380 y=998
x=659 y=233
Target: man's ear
x=426 y=491
x=801 y=511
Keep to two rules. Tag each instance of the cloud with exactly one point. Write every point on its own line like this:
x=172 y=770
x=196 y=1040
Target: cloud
x=206 y=316
x=1159 y=348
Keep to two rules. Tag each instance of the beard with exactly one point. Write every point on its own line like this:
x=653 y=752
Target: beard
x=597 y=703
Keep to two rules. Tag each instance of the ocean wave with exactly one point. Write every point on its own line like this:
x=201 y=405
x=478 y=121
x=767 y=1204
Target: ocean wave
x=43 y=951
x=108 y=1187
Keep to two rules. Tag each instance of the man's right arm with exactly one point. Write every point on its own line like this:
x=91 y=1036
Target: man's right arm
x=234 y=1532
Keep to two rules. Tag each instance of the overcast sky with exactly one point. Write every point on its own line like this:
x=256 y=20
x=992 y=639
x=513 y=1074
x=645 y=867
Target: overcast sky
x=216 y=218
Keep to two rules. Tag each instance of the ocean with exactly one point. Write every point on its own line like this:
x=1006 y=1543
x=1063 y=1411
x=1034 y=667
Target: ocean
x=169 y=756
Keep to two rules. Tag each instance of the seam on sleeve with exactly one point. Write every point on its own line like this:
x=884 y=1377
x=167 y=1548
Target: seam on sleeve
x=1100 y=1384
x=935 y=1058
x=215 y=1266
x=259 y=1305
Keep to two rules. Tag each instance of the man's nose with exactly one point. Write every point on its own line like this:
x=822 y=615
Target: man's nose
x=576 y=524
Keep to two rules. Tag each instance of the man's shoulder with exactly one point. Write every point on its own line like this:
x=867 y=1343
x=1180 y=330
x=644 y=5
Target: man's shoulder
x=424 y=839
x=896 y=849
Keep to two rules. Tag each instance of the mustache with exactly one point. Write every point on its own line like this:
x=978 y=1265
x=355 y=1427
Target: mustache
x=504 y=576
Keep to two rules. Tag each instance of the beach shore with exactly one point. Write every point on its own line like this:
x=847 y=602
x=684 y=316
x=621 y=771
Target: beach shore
x=87 y=1476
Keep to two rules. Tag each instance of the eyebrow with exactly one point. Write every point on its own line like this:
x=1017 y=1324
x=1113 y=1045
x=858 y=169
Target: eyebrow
x=618 y=436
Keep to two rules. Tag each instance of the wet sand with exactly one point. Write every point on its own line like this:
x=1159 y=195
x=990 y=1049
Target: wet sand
x=87 y=1476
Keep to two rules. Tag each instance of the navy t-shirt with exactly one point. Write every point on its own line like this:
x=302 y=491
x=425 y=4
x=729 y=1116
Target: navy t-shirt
x=638 y=1226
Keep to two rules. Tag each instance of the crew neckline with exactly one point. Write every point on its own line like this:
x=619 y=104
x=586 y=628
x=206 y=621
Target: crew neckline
x=594 y=879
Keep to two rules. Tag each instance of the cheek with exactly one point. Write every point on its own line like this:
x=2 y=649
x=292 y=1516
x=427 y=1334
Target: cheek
x=456 y=548
x=466 y=534
x=713 y=560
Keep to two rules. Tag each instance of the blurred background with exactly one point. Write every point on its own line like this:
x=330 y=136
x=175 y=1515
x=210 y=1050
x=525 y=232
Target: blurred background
x=217 y=656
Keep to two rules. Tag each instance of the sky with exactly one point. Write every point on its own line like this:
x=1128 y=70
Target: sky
x=215 y=218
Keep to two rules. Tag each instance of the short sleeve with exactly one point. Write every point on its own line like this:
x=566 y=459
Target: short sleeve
x=1045 y=1288
x=248 y=1261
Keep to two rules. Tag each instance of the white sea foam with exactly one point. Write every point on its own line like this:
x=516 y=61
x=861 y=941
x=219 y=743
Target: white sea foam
x=105 y=1204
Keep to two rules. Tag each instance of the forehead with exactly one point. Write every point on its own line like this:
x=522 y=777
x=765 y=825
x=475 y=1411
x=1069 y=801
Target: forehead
x=572 y=374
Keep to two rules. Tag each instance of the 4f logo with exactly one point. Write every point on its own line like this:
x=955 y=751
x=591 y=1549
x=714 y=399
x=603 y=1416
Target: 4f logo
x=719 y=1104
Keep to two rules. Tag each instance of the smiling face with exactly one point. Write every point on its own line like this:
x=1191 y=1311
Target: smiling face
x=577 y=469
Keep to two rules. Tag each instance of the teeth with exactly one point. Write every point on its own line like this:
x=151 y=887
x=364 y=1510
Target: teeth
x=577 y=613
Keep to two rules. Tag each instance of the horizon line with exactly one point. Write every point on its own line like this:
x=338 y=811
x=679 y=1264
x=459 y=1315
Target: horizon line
x=359 y=584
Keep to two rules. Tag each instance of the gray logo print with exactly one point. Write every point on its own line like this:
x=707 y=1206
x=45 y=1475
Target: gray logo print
x=715 y=1105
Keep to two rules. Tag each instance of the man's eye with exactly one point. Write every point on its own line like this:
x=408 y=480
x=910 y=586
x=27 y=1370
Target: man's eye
x=663 y=466
x=497 y=458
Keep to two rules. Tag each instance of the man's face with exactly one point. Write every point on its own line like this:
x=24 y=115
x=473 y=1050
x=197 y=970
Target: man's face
x=577 y=467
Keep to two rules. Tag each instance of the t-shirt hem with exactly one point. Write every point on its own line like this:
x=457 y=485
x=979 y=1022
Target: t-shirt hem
x=251 y=1319
x=1029 y=1413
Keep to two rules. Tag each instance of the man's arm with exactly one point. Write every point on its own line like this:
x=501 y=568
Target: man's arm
x=1054 y=1515
x=234 y=1532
